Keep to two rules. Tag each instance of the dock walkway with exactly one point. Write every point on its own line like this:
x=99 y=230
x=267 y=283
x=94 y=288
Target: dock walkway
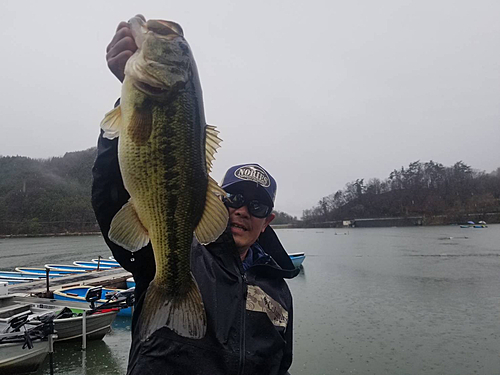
x=107 y=278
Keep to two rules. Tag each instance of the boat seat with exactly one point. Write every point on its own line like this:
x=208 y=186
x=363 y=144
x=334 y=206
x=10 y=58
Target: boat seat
x=12 y=311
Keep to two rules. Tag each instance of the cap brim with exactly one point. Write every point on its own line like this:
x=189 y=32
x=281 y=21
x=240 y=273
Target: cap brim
x=247 y=186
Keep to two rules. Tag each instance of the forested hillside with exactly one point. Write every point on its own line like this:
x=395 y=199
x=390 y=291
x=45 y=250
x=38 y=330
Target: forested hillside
x=428 y=188
x=284 y=218
x=46 y=195
x=39 y=196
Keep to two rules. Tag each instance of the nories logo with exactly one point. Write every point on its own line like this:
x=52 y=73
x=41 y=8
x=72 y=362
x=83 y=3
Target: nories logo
x=253 y=173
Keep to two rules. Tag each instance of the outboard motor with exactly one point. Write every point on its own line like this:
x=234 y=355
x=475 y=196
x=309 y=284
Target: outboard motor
x=93 y=295
x=18 y=322
x=128 y=295
x=121 y=300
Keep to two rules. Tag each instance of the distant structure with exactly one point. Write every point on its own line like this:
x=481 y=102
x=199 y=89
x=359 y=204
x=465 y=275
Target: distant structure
x=387 y=222
x=348 y=223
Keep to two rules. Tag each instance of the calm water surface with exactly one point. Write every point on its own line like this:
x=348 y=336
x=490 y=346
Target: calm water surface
x=367 y=301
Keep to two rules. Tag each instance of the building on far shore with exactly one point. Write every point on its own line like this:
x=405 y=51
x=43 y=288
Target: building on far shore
x=388 y=222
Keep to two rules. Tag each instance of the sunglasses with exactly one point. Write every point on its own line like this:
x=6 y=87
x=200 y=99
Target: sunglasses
x=255 y=207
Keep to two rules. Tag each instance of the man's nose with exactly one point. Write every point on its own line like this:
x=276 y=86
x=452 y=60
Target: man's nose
x=242 y=211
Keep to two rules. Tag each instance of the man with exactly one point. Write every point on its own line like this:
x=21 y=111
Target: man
x=240 y=275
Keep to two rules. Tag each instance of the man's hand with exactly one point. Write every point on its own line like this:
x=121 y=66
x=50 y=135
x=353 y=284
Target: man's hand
x=119 y=50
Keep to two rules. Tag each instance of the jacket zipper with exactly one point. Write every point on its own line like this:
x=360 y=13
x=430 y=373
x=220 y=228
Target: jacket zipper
x=242 y=330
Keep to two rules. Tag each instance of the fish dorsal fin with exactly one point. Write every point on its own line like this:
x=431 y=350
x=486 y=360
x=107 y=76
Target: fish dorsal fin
x=127 y=230
x=111 y=123
x=215 y=215
x=212 y=144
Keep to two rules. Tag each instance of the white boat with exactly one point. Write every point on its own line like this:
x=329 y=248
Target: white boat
x=70 y=328
x=68 y=316
x=69 y=268
x=109 y=262
x=22 y=348
x=41 y=272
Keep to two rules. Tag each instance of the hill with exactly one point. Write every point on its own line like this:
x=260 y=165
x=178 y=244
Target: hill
x=422 y=189
x=47 y=195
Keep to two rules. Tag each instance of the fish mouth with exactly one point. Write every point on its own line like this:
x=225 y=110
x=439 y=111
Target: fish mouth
x=165 y=28
x=150 y=90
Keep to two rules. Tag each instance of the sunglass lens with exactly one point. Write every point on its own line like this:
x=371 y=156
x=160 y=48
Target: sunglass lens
x=234 y=200
x=255 y=207
x=258 y=209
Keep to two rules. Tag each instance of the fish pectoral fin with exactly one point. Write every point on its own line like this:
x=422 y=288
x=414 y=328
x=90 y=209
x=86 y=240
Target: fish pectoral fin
x=215 y=216
x=212 y=144
x=126 y=229
x=183 y=313
x=111 y=123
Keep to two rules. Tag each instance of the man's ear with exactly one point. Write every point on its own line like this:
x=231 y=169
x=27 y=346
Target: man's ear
x=267 y=222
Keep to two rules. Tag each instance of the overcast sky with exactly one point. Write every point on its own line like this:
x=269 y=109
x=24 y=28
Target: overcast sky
x=318 y=92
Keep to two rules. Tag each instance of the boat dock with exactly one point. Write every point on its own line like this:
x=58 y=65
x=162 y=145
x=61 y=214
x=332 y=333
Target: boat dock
x=112 y=278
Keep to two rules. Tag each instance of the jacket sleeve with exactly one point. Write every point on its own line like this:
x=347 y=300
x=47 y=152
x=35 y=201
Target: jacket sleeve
x=286 y=362
x=108 y=197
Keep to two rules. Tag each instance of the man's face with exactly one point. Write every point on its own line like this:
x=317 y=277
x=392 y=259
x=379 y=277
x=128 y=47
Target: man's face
x=246 y=228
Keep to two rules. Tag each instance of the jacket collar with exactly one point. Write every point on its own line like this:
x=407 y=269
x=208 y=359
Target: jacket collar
x=225 y=249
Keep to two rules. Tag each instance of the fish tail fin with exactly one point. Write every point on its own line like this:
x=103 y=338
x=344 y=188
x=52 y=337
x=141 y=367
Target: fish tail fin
x=184 y=313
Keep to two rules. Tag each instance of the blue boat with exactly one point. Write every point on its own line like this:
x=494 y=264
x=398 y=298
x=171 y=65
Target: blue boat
x=77 y=294
x=17 y=275
x=15 y=280
x=107 y=262
x=297 y=259
x=91 y=265
x=40 y=272
x=481 y=224
x=69 y=268
x=471 y=224
x=130 y=282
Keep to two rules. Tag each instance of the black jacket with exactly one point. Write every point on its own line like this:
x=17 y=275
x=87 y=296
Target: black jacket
x=249 y=314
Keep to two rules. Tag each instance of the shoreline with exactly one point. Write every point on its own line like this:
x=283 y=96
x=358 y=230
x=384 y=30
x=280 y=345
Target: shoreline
x=25 y=235
x=323 y=225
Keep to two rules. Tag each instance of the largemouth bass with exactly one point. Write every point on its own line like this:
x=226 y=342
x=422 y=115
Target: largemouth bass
x=165 y=153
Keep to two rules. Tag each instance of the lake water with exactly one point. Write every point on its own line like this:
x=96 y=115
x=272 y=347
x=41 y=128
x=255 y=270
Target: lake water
x=423 y=300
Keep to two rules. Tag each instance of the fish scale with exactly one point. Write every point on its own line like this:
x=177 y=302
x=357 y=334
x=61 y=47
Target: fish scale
x=167 y=195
